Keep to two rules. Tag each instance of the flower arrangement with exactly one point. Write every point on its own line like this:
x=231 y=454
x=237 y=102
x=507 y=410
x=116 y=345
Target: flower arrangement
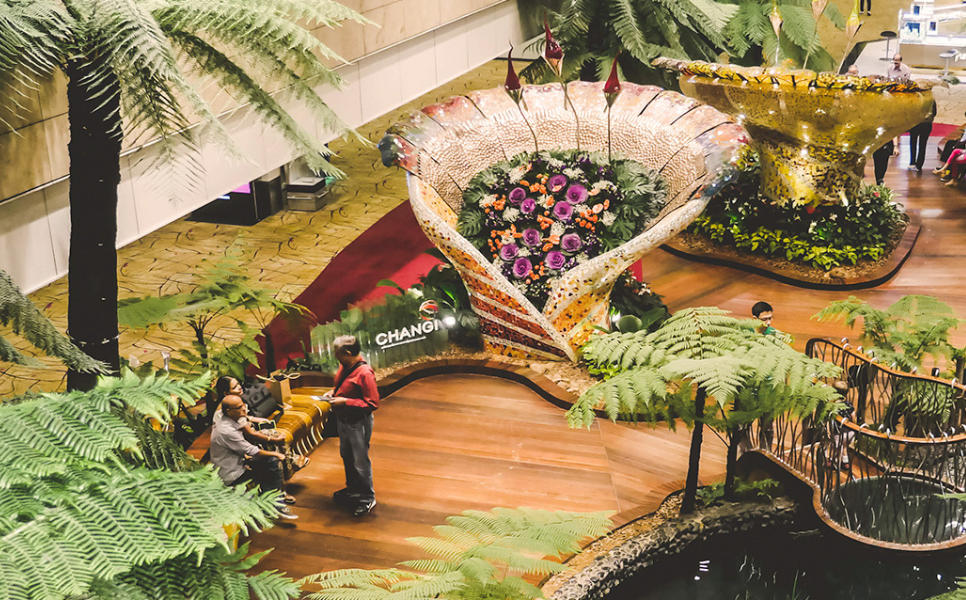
x=541 y=214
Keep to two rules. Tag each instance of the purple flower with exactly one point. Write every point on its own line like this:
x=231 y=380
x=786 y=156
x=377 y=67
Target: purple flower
x=531 y=237
x=521 y=267
x=571 y=242
x=517 y=195
x=576 y=194
x=509 y=251
x=556 y=183
x=563 y=211
x=528 y=206
x=555 y=259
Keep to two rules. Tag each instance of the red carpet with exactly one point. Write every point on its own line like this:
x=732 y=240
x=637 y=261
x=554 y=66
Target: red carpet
x=391 y=249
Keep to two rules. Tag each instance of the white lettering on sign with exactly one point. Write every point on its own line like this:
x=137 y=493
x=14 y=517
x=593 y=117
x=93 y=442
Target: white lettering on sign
x=406 y=335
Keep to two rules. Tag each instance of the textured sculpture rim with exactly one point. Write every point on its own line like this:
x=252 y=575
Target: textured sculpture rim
x=444 y=145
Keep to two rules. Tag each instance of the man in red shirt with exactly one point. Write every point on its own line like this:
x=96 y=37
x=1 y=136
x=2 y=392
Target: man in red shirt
x=353 y=398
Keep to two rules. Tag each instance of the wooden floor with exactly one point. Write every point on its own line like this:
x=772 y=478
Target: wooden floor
x=446 y=444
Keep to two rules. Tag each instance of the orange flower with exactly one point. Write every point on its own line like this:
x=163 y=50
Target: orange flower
x=606 y=204
x=554 y=239
x=598 y=208
x=524 y=183
x=593 y=192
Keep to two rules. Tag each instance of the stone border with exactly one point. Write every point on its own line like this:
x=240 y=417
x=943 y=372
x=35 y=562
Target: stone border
x=752 y=263
x=616 y=565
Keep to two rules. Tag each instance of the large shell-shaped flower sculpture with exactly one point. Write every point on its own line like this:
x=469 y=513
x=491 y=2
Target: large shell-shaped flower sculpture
x=444 y=145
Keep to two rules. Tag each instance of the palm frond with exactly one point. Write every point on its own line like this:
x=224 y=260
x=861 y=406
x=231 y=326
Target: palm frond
x=25 y=319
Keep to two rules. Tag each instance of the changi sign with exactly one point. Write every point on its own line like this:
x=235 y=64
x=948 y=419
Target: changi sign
x=413 y=333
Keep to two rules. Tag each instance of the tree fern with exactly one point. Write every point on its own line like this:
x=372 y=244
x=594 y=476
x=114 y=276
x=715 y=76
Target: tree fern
x=24 y=319
x=475 y=555
x=86 y=512
x=905 y=334
x=650 y=377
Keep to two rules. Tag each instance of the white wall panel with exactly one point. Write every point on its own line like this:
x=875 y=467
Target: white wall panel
x=57 y=201
x=128 y=229
x=451 y=52
x=417 y=67
x=346 y=102
x=380 y=83
x=25 y=249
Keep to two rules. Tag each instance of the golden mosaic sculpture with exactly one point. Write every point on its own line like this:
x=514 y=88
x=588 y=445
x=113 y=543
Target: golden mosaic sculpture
x=443 y=146
x=813 y=131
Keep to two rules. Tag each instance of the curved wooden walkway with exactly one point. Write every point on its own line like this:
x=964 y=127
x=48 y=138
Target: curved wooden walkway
x=449 y=443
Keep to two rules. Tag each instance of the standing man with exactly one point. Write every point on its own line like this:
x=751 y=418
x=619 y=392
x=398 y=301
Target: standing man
x=353 y=398
x=229 y=449
x=919 y=139
x=897 y=70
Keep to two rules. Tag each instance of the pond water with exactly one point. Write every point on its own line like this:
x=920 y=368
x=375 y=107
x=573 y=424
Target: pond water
x=778 y=566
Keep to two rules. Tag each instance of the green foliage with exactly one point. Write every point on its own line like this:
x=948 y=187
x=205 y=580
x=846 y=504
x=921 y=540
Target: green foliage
x=761 y=491
x=905 y=334
x=592 y=32
x=443 y=285
x=477 y=555
x=751 y=38
x=823 y=237
x=630 y=297
x=152 y=50
x=223 y=289
x=653 y=372
x=86 y=509
x=20 y=314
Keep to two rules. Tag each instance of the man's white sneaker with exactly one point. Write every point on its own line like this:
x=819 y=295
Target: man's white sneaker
x=285 y=512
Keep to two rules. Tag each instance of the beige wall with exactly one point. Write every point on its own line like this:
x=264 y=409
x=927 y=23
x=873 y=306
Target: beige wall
x=35 y=226
x=35 y=153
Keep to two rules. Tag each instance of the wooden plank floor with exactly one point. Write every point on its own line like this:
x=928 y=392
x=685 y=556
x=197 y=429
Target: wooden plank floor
x=446 y=444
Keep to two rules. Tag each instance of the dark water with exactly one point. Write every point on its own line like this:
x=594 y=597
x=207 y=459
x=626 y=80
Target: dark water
x=782 y=567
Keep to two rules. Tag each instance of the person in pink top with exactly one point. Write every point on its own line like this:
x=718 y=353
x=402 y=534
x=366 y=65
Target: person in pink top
x=354 y=397
x=952 y=172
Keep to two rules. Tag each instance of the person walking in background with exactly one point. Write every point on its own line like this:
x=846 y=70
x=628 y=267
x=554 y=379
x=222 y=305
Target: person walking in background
x=880 y=159
x=865 y=6
x=353 y=398
x=897 y=70
x=919 y=139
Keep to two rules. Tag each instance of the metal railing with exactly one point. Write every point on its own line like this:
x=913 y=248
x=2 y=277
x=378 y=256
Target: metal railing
x=884 y=471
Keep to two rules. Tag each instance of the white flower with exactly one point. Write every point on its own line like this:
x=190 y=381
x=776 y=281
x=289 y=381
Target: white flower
x=608 y=218
x=497 y=261
x=583 y=257
x=488 y=200
x=517 y=174
x=524 y=251
x=602 y=185
x=520 y=286
x=511 y=214
x=506 y=238
x=573 y=173
x=556 y=163
x=557 y=228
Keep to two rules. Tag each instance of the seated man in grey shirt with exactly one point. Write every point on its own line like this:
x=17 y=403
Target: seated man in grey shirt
x=229 y=449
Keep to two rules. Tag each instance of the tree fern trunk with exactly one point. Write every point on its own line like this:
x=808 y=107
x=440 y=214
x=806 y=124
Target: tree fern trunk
x=733 y=441
x=694 y=458
x=94 y=151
